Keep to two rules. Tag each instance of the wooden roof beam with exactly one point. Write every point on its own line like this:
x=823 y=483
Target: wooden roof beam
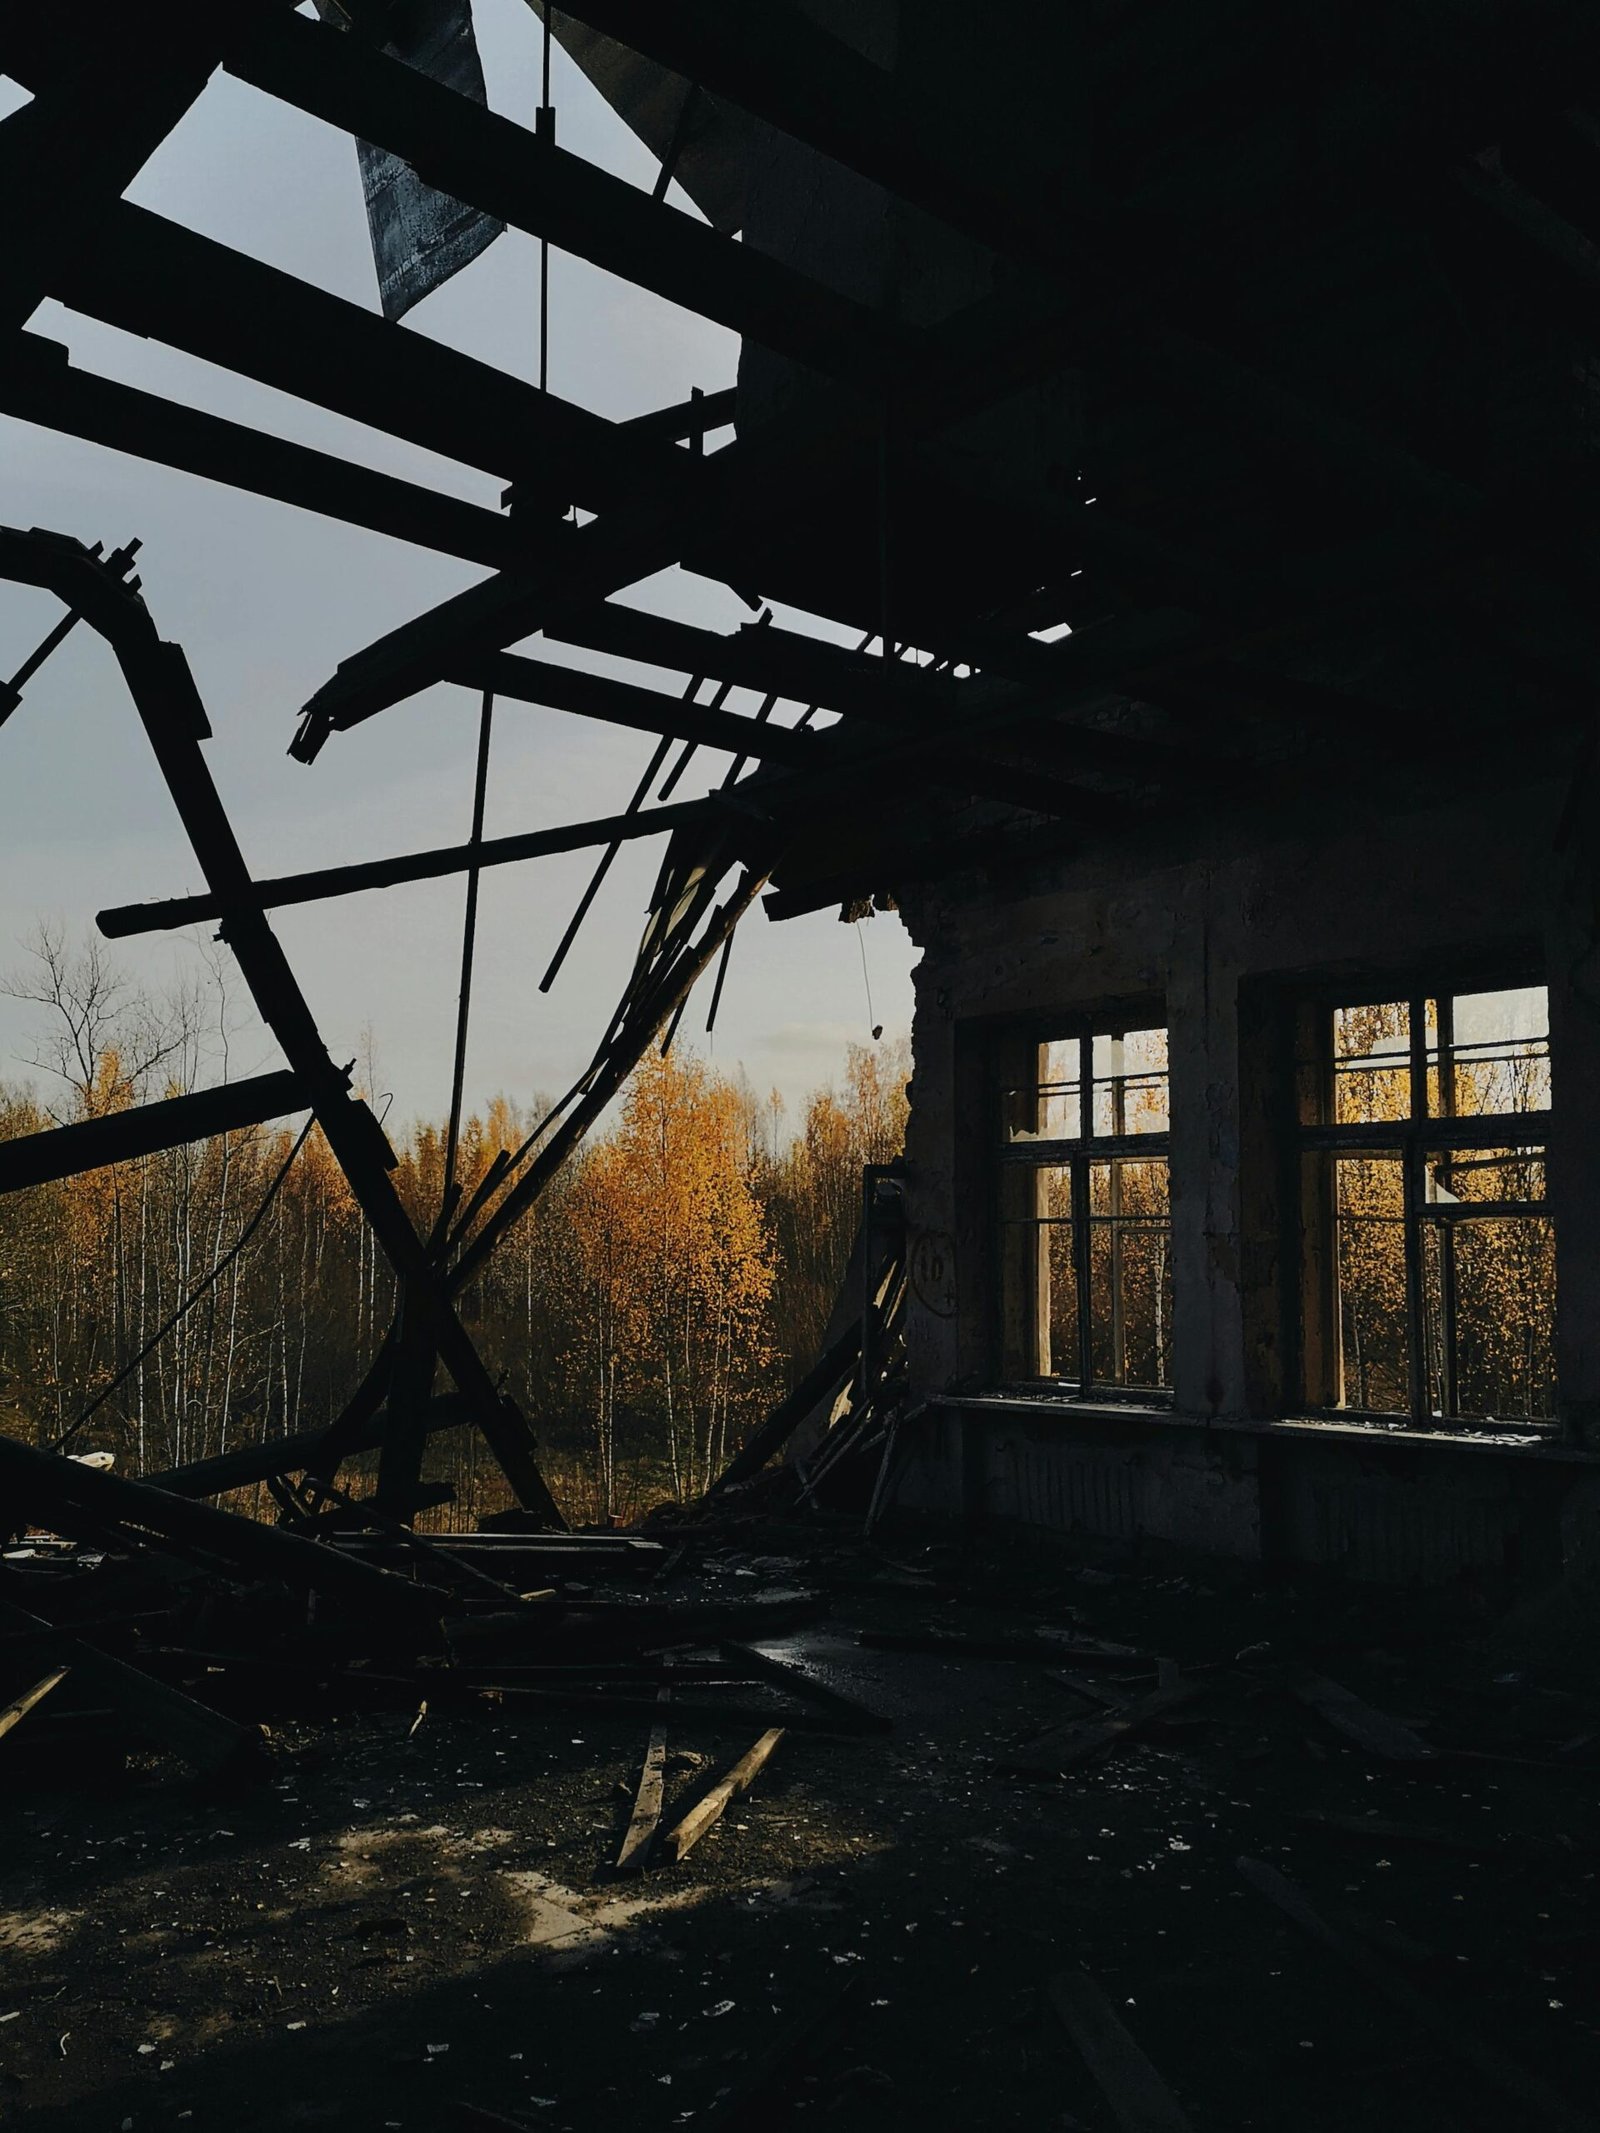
x=122 y=921
x=64 y=1151
x=475 y=156
x=38 y=384
x=151 y=277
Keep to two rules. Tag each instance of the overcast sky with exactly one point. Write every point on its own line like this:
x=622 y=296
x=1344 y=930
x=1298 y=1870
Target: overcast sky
x=267 y=600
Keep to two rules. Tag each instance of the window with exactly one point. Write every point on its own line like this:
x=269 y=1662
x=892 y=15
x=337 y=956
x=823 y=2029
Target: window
x=1085 y=1225
x=1429 y=1256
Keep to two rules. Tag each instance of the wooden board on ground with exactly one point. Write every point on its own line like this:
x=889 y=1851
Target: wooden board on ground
x=854 y=1716
x=164 y=1716
x=1140 y=2100
x=1371 y=1729
x=645 y=1819
x=1046 y=1645
x=1533 y=2100
x=19 y=1707
x=1082 y=1738
x=739 y=1779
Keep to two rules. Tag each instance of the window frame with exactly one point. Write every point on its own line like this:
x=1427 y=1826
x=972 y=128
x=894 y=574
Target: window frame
x=1076 y=1155
x=1412 y=1140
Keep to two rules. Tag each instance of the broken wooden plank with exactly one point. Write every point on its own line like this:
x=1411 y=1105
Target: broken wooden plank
x=1092 y=1692
x=67 y=1497
x=739 y=1779
x=1140 y=2100
x=20 y=1706
x=164 y=1716
x=1082 y=1738
x=119 y=1137
x=820 y=1382
x=1532 y=2098
x=1348 y=1714
x=645 y=1819
x=856 y=1716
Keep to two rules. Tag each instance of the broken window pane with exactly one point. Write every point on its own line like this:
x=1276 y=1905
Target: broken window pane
x=1371 y=1063
x=1370 y=1250
x=1130 y=1082
x=1461 y=1178
x=1051 y=1108
x=1130 y=1272
x=1489 y=1053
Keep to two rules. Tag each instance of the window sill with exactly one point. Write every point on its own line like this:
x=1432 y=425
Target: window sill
x=1065 y=1407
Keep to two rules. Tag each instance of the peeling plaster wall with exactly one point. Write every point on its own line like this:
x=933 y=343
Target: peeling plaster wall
x=1381 y=892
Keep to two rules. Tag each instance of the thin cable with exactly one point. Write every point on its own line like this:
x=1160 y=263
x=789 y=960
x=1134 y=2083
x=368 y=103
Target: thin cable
x=872 y=1020
x=195 y=1293
x=469 y=943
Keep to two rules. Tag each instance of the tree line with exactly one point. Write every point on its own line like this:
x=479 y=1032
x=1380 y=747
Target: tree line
x=671 y=1282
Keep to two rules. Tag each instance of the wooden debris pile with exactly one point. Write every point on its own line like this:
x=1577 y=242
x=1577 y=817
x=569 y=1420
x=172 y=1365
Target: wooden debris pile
x=132 y=1617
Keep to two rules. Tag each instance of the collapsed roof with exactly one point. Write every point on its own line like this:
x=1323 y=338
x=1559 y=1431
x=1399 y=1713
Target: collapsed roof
x=1189 y=404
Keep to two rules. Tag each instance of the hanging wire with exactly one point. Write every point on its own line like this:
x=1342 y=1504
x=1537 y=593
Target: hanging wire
x=872 y=1020
x=200 y=1288
x=469 y=943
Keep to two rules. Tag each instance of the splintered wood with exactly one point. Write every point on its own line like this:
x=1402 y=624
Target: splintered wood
x=739 y=1779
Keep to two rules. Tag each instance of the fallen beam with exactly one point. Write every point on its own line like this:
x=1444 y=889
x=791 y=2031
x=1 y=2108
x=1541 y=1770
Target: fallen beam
x=203 y=1738
x=825 y=1376
x=1140 y=2100
x=645 y=1819
x=1084 y=1738
x=19 y=1706
x=270 y=895
x=68 y=1498
x=302 y=1453
x=62 y=1152
x=1533 y=2100
x=1371 y=1729
x=1087 y=1651
x=710 y=1810
x=854 y=1716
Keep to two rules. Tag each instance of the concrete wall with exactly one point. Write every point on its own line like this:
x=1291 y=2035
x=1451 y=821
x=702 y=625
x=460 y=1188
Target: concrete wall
x=1205 y=933
x=1378 y=1507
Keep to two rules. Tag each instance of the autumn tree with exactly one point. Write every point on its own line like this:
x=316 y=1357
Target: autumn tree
x=674 y=1257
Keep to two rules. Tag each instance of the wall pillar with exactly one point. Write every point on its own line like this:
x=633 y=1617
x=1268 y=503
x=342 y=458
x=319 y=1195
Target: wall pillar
x=1203 y=1020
